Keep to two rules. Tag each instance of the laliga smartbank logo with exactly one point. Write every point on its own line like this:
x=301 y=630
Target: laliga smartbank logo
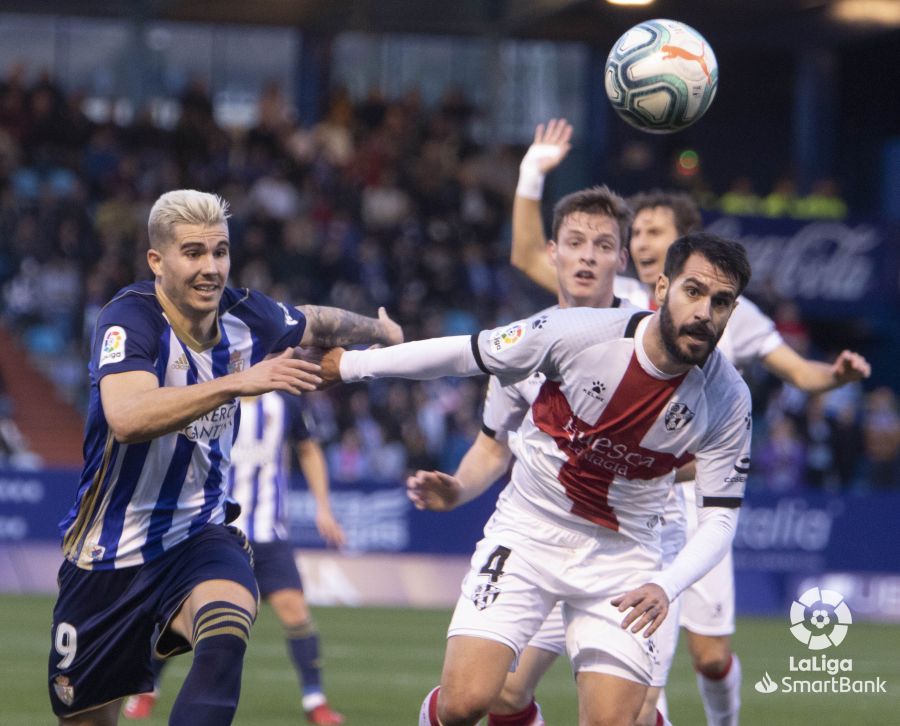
x=820 y=619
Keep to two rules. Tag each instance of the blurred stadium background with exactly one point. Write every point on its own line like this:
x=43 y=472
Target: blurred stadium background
x=370 y=151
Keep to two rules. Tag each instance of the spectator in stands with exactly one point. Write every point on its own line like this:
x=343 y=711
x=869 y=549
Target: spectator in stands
x=782 y=458
x=740 y=199
x=881 y=434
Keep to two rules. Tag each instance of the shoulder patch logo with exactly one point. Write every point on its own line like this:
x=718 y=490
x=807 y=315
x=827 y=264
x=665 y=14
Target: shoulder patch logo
x=112 y=349
x=508 y=338
x=678 y=415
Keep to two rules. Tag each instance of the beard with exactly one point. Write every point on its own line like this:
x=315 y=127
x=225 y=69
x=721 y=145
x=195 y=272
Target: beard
x=670 y=337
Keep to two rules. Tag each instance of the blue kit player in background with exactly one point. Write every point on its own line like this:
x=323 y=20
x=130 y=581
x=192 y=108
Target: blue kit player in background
x=258 y=482
x=148 y=558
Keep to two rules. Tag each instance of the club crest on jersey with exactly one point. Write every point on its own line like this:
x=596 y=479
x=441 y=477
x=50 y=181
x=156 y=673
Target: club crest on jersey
x=112 y=349
x=235 y=363
x=96 y=552
x=678 y=415
x=65 y=691
x=508 y=338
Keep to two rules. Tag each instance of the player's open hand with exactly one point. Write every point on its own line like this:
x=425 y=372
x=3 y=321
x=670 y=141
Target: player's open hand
x=329 y=529
x=330 y=371
x=648 y=607
x=391 y=333
x=282 y=372
x=550 y=146
x=850 y=367
x=433 y=490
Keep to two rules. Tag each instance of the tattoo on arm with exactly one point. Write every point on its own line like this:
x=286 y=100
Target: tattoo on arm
x=332 y=327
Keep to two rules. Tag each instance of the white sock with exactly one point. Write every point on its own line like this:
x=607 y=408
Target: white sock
x=722 y=696
x=424 y=712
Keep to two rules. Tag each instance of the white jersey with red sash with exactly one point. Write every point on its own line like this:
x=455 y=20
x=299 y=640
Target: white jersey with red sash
x=607 y=428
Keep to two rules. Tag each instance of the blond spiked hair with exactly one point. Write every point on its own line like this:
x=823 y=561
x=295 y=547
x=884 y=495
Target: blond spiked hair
x=184 y=206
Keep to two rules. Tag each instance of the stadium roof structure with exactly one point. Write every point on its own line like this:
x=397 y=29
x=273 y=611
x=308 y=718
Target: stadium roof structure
x=764 y=23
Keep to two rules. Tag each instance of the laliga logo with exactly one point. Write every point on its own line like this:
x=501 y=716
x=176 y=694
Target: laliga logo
x=820 y=618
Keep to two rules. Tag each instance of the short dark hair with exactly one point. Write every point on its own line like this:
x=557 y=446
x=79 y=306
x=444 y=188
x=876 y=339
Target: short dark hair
x=725 y=254
x=595 y=200
x=684 y=208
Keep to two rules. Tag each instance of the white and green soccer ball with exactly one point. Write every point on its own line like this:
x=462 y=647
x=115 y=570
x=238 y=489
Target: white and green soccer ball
x=661 y=76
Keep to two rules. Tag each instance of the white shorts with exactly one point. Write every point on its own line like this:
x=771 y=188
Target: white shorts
x=525 y=565
x=552 y=637
x=707 y=606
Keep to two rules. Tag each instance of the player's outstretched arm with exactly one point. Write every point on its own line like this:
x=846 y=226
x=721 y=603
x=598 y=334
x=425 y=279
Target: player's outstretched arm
x=315 y=471
x=813 y=376
x=550 y=147
x=419 y=360
x=138 y=409
x=328 y=327
x=457 y=355
x=485 y=462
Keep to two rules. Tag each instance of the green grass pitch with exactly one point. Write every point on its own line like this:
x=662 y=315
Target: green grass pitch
x=380 y=663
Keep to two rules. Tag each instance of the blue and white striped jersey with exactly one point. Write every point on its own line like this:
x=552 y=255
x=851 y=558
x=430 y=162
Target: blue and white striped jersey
x=259 y=477
x=135 y=501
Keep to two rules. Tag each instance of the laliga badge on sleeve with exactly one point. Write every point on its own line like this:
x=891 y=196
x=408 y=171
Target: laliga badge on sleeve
x=507 y=338
x=112 y=349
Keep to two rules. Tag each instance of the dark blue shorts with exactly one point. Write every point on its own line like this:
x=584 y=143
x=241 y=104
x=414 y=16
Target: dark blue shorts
x=106 y=623
x=275 y=567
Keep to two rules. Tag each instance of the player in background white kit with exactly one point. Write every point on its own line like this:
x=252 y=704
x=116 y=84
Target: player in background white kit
x=626 y=400
x=707 y=608
x=587 y=249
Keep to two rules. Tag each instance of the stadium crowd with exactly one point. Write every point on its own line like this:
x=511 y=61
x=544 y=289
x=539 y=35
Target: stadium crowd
x=380 y=203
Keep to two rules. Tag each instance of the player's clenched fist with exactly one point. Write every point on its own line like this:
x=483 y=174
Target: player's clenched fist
x=433 y=490
x=331 y=367
x=849 y=367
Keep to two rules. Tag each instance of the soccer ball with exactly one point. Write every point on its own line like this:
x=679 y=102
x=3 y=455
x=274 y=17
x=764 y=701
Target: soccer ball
x=661 y=76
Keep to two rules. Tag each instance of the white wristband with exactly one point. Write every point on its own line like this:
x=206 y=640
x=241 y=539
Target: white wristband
x=531 y=184
x=531 y=178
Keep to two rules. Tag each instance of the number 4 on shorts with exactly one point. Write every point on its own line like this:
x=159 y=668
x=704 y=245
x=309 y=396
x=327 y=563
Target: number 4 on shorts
x=495 y=562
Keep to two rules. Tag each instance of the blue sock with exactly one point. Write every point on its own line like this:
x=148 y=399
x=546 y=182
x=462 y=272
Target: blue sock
x=303 y=645
x=209 y=696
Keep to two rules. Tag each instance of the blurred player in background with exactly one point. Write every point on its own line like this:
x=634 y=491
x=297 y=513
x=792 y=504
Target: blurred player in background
x=147 y=555
x=624 y=403
x=258 y=482
x=707 y=607
x=587 y=249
